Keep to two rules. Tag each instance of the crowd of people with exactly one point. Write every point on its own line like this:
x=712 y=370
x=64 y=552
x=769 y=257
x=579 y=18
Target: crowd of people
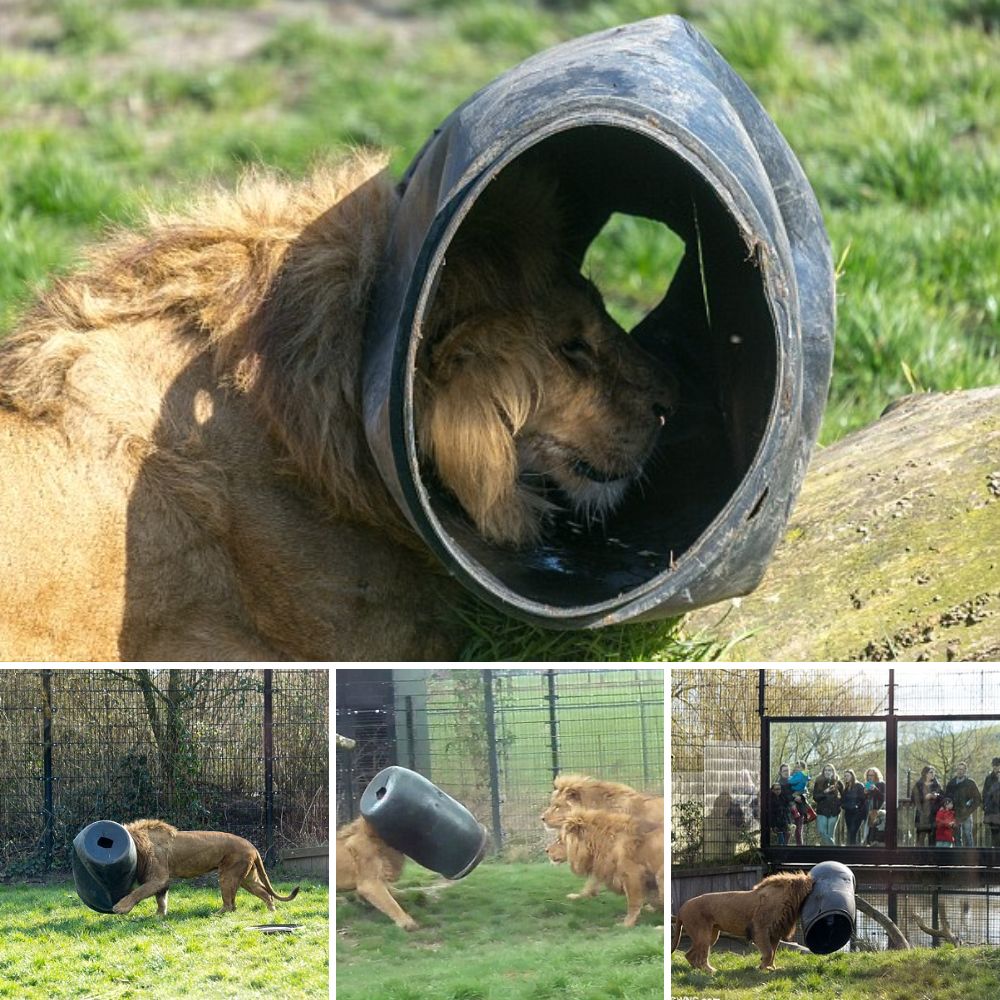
x=943 y=816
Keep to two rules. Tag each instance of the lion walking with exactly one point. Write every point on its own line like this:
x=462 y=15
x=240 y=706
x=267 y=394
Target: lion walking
x=765 y=915
x=165 y=853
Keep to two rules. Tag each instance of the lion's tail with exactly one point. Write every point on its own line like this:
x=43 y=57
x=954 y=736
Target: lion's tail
x=266 y=882
x=676 y=939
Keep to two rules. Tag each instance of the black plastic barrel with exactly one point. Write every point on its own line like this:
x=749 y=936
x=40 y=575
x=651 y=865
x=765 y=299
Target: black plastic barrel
x=413 y=815
x=829 y=913
x=104 y=864
x=647 y=120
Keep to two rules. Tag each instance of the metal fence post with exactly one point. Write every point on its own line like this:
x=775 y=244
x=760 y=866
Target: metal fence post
x=48 y=814
x=491 y=740
x=268 y=740
x=553 y=723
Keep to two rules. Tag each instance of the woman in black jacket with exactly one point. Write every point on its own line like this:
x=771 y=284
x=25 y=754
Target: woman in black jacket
x=853 y=804
x=926 y=796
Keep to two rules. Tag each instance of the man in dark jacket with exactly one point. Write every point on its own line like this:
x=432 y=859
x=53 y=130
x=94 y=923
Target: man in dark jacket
x=991 y=803
x=964 y=792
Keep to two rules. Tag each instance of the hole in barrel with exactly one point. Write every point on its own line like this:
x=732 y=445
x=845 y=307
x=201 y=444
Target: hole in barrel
x=380 y=793
x=105 y=842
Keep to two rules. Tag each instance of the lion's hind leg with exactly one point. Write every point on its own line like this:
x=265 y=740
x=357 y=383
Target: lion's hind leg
x=253 y=885
x=703 y=937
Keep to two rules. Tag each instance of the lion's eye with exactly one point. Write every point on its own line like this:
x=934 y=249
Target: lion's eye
x=578 y=353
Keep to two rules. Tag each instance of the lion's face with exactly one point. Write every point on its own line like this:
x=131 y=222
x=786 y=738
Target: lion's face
x=556 y=852
x=563 y=801
x=547 y=405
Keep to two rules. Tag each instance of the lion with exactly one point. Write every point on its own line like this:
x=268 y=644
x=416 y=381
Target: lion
x=765 y=915
x=620 y=851
x=186 y=471
x=367 y=864
x=573 y=791
x=164 y=853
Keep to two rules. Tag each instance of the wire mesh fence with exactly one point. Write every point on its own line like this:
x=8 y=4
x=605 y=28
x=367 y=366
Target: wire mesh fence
x=930 y=916
x=494 y=739
x=244 y=751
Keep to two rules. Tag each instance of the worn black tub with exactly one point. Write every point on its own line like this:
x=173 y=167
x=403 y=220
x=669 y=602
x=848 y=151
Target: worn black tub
x=413 y=815
x=829 y=913
x=104 y=864
x=646 y=120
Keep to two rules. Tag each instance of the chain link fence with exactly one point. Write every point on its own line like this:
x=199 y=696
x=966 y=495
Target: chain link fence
x=494 y=739
x=244 y=751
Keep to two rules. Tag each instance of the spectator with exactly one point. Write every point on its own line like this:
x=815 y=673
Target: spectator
x=944 y=824
x=827 y=792
x=925 y=797
x=964 y=793
x=991 y=803
x=796 y=801
x=874 y=802
x=779 y=811
x=853 y=804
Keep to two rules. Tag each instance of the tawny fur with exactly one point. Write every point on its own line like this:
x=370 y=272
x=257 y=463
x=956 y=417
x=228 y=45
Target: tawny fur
x=619 y=851
x=765 y=915
x=573 y=791
x=525 y=376
x=186 y=474
x=165 y=853
x=368 y=865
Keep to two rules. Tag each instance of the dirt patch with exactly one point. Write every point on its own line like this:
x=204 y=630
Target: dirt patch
x=971 y=612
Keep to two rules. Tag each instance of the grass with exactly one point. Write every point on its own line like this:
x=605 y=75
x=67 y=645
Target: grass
x=893 y=107
x=920 y=974
x=54 y=947
x=505 y=932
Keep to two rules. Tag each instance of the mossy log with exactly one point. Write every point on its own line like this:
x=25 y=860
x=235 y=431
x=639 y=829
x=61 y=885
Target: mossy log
x=893 y=549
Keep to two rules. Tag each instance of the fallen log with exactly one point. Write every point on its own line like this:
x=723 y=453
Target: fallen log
x=897 y=939
x=893 y=550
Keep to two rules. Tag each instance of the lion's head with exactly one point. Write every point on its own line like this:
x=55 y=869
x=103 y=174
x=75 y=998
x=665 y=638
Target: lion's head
x=530 y=397
x=556 y=852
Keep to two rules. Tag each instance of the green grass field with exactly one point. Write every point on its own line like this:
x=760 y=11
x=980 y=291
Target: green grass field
x=505 y=932
x=53 y=947
x=921 y=974
x=893 y=106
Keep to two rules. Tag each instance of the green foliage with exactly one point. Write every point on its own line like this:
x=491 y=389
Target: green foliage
x=86 y=27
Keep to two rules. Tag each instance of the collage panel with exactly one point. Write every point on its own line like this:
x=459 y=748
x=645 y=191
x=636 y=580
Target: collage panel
x=835 y=831
x=500 y=833
x=164 y=832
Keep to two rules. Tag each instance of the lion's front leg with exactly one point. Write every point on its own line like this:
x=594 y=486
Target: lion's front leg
x=147 y=889
x=590 y=888
x=635 y=896
x=161 y=903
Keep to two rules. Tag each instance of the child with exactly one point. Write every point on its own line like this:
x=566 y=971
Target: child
x=945 y=825
x=798 y=780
